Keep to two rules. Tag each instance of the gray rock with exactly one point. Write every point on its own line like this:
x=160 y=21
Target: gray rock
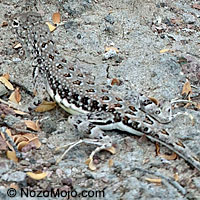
x=3 y=90
x=17 y=176
x=188 y=18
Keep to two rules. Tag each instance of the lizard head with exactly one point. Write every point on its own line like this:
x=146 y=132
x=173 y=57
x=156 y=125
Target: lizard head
x=22 y=23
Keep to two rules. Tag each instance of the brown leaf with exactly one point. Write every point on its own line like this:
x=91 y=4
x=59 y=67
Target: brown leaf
x=154 y=100
x=37 y=176
x=45 y=106
x=173 y=156
x=90 y=164
x=56 y=18
x=110 y=163
x=186 y=88
x=21 y=145
x=32 y=125
x=7 y=76
x=15 y=97
x=176 y=177
x=115 y=81
x=112 y=150
x=154 y=180
x=12 y=156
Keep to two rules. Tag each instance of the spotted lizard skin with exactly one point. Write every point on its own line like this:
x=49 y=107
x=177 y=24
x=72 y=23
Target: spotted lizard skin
x=92 y=104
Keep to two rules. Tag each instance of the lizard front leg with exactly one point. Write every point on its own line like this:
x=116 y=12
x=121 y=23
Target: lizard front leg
x=91 y=134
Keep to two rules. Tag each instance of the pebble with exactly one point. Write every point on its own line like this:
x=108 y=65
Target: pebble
x=17 y=176
x=5 y=165
x=189 y=19
x=3 y=90
x=16 y=60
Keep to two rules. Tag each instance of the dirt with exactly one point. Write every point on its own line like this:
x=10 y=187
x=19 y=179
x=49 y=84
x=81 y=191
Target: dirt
x=151 y=37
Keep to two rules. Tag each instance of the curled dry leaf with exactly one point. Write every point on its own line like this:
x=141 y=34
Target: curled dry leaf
x=154 y=180
x=45 y=106
x=21 y=145
x=154 y=100
x=6 y=83
x=51 y=27
x=37 y=176
x=90 y=164
x=186 y=88
x=32 y=125
x=111 y=150
x=36 y=142
x=173 y=156
x=56 y=18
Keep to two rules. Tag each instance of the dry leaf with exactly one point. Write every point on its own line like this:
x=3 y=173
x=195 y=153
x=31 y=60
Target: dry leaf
x=173 y=156
x=90 y=164
x=32 y=125
x=15 y=97
x=7 y=76
x=20 y=112
x=12 y=156
x=6 y=83
x=45 y=106
x=56 y=18
x=111 y=150
x=154 y=180
x=115 y=81
x=164 y=50
x=51 y=27
x=157 y=149
x=36 y=142
x=186 y=88
x=176 y=177
x=110 y=163
x=21 y=145
x=112 y=48
x=154 y=100
x=37 y=176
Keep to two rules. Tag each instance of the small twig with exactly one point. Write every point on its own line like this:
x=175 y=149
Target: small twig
x=10 y=140
x=164 y=179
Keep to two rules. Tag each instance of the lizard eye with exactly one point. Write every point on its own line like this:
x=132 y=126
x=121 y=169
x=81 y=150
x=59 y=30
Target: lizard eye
x=15 y=24
x=157 y=112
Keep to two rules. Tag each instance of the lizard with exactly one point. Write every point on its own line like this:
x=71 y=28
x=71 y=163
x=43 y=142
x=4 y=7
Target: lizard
x=94 y=109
